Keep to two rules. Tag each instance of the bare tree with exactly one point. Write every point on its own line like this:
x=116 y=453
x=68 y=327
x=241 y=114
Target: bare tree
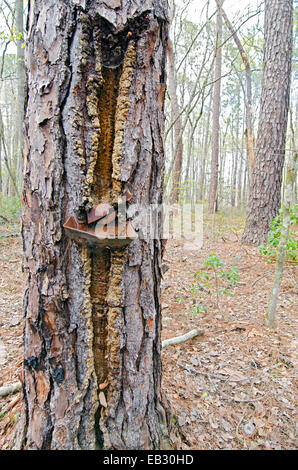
x=248 y=97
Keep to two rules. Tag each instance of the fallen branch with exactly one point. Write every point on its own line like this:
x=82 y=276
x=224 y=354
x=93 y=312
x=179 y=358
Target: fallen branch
x=9 y=261
x=239 y=400
x=180 y=339
x=246 y=267
x=240 y=421
x=9 y=389
x=11 y=405
x=5 y=219
x=7 y=235
x=196 y=372
x=261 y=277
x=224 y=396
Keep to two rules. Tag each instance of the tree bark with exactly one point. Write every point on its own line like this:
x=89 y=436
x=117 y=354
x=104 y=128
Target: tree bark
x=215 y=114
x=94 y=125
x=264 y=198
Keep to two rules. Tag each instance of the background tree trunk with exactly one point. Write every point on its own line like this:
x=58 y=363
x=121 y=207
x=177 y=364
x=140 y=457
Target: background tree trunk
x=236 y=155
x=7 y=160
x=215 y=113
x=1 y=187
x=205 y=152
x=176 y=116
x=241 y=166
x=248 y=97
x=94 y=123
x=264 y=198
x=19 y=12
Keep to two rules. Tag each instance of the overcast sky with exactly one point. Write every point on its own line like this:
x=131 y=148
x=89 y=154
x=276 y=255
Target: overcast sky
x=235 y=9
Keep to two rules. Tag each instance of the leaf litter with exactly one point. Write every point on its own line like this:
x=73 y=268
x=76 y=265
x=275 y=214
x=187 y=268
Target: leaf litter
x=237 y=383
x=235 y=387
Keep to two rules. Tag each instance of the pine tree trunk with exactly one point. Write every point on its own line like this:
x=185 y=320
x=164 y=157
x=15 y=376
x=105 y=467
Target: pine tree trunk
x=94 y=124
x=265 y=188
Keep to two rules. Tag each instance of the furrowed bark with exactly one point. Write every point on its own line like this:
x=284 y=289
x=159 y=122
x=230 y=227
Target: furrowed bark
x=265 y=189
x=94 y=125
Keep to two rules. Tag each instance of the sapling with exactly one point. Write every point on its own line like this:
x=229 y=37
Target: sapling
x=209 y=279
x=270 y=319
x=270 y=249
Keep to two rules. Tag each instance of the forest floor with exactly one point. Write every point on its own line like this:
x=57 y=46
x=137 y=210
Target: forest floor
x=239 y=391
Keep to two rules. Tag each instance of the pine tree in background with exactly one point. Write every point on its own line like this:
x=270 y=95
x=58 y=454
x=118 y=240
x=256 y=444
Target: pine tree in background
x=265 y=189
